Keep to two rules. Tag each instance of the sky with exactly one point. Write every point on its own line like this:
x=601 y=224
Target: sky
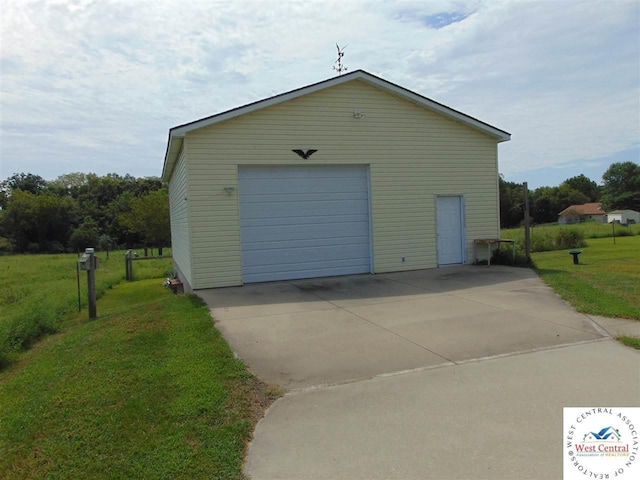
x=95 y=86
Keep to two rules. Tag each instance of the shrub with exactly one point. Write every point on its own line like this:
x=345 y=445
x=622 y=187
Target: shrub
x=542 y=242
x=25 y=332
x=55 y=247
x=106 y=243
x=505 y=257
x=5 y=245
x=623 y=232
x=86 y=235
x=569 y=239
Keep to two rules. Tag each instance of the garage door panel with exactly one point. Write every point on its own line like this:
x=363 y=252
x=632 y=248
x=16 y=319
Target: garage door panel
x=324 y=265
x=305 y=197
x=306 y=186
x=297 y=208
x=261 y=235
x=306 y=255
x=306 y=243
x=292 y=272
x=300 y=222
x=300 y=172
x=315 y=220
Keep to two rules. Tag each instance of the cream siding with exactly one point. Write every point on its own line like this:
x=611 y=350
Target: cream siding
x=179 y=213
x=414 y=155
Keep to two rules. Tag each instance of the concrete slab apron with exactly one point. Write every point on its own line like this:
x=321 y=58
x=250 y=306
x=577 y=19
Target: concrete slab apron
x=492 y=419
x=326 y=331
x=410 y=399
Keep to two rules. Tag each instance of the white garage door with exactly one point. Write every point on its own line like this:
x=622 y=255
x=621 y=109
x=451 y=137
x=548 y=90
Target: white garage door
x=302 y=222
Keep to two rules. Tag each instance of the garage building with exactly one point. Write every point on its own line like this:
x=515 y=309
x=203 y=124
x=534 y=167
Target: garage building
x=350 y=175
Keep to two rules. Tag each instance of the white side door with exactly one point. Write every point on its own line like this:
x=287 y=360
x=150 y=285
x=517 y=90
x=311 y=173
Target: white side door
x=450 y=230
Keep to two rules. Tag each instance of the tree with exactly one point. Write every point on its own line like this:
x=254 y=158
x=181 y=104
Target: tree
x=6 y=245
x=149 y=217
x=68 y=184
x=39 y=223
x=584 y=185
x=17 y=219
x=548 y=202
x=110 y=218
x=106 y=244
x=100 y=201
x=621 y=188
x=86 y=235
x=511 y=203
x=26 y=182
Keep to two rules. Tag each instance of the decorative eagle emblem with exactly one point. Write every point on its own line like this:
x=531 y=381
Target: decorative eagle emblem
x=304 y=154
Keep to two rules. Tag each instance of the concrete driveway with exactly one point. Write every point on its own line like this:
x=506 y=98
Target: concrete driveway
x=333 y=330
x=456 y=373
x=499 y=418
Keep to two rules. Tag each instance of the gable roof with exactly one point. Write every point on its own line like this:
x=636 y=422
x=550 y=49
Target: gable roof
x=585 y=209
x=176 y=134
x=623 y=211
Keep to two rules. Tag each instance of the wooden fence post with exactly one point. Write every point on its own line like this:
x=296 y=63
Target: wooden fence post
x=527 y=224
x=128 y=265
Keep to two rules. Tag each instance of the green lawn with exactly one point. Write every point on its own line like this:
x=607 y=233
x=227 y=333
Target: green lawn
x=148 y=390
x=39 y=293
x=631 y=342
x=607 y=281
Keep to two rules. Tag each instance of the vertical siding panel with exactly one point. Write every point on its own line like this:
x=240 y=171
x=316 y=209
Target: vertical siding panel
x=179 y=214
x=414 y=155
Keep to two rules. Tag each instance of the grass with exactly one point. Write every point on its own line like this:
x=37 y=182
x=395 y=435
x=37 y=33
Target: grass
x=630 y=342
x=543 y=236
x=606 y=282
x=151 y=390
x=38 y=293
x=148 y=390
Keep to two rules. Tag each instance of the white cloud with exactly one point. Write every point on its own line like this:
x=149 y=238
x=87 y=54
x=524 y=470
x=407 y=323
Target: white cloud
x=95 y=85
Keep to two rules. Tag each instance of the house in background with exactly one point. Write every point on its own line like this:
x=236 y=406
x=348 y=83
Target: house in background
x=350 y=175
x=624 y=217
x=582 y=213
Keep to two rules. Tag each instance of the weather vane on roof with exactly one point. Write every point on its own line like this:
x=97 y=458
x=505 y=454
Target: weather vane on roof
x=340 y=67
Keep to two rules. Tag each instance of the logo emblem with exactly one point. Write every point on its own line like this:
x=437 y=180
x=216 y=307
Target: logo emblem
x=304 y=154
x=601 y=442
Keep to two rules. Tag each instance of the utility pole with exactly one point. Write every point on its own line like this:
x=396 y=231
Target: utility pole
x=527 y=224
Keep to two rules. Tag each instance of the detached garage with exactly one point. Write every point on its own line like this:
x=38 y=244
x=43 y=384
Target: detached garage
x=351 y=175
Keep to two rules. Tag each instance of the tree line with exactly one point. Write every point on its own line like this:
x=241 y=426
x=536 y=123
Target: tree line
x=620 y=189
x=79 y=210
